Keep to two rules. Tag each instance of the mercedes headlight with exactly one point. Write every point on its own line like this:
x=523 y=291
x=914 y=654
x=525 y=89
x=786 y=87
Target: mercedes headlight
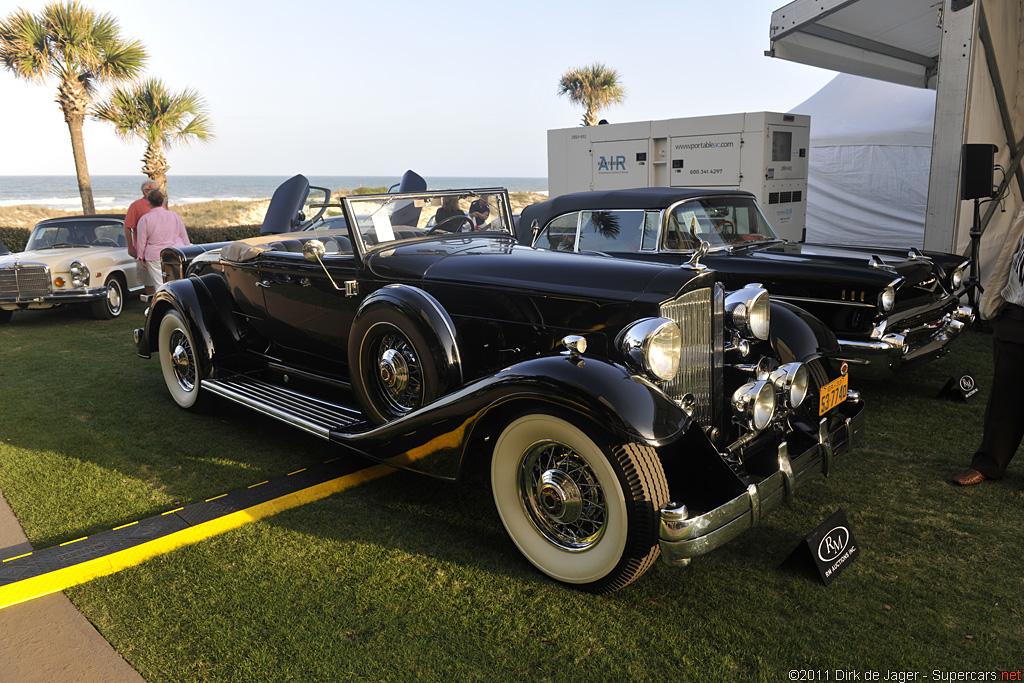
x=957 y=278
x=791 y=381
x=887 y=299
x=749 y=311
x=754 y=404
x=79 y=274
x=653 y=345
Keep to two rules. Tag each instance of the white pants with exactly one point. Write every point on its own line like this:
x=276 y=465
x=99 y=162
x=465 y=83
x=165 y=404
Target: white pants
x=154 y=276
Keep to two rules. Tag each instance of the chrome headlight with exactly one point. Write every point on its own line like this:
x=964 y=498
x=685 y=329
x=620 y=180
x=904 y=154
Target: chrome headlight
x=754 y=404
x=957 y=278
x=654 y=346
x=792 y=381
x=79 y=274
x=749 y=311
x=887 y=299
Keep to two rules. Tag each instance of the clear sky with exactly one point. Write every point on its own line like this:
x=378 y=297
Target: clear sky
x=448 y=88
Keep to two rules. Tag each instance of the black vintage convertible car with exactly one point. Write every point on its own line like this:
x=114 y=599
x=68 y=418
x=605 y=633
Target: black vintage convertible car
x=626 y=408
x=891 y=309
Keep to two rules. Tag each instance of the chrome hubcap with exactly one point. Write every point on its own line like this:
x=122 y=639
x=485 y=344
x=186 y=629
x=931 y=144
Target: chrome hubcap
x=394 y=371
x=559 y=497
x=114 y=299
x=562 y=496
x=181 y=361
x=398 y=369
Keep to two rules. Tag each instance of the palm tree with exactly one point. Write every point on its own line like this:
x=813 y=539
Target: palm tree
x=596 y=87
x=79 y=49
x=148 y=111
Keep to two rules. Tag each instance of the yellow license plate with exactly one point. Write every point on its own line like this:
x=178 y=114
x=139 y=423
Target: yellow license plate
x=833 y=393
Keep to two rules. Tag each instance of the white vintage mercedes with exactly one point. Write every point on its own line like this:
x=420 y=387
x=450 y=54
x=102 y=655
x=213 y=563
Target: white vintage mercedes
x=72 y=259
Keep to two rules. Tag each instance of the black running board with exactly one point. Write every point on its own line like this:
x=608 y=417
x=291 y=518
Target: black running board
x=309 y=414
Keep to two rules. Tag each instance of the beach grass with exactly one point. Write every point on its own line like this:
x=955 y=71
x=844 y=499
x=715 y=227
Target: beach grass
x=408 y=578
x=215 y=213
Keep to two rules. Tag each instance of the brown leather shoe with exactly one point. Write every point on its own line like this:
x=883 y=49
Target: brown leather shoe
x=969 y=477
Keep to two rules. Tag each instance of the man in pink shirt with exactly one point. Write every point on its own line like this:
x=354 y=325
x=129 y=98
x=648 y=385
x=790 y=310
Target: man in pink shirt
x=157 y=229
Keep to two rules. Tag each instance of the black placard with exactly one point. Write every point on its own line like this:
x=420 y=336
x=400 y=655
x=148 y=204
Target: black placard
x=829 y=549
x=961 y=387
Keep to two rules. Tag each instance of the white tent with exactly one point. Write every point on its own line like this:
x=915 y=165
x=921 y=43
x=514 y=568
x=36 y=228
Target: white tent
x=867 y=177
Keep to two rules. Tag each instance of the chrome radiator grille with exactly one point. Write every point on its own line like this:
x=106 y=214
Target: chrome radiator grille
x=24 y=282
x=700 y=315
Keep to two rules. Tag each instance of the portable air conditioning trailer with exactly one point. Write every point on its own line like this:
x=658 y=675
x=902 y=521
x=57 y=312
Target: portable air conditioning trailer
x=764 y=153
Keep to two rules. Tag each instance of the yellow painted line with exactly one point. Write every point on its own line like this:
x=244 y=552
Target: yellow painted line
x=74 y=541
x=255 y=485
x=62 y=579
x=125 y=526
x=216 y=497
x=17 y=557
x=295 y=472
x=171 y=512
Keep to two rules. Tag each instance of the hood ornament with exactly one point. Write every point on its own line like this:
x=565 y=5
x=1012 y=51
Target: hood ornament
x=699 y=253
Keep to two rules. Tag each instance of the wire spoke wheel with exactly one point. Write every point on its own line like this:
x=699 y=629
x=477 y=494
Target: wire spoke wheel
x=182 y=360
x=399 y=380
x=581 y=509
x=180 y=364
x=562 y=495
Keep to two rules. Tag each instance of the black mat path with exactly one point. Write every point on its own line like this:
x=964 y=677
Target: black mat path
x=41 y=572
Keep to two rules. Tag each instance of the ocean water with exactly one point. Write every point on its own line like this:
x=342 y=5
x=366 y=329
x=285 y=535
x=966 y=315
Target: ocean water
x=114 y=191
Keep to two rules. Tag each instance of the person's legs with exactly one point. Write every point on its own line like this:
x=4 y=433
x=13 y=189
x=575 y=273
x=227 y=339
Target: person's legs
x=154 y=276
x=1004 y=413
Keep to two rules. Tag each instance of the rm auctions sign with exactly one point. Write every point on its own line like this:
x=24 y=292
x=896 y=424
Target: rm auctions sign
x=831 y=547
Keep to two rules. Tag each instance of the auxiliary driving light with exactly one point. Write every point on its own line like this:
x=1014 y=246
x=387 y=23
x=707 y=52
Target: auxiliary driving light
x=754 y=404
x=792 y=381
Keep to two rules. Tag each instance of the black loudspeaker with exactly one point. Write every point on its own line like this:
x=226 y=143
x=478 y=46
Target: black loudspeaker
x=976 y=164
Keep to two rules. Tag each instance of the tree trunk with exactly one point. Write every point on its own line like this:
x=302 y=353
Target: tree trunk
x=74 y=101
x=81 y=165
x=155 y=166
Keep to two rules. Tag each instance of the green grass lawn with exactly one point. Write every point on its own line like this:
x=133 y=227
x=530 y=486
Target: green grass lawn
x=406 y=578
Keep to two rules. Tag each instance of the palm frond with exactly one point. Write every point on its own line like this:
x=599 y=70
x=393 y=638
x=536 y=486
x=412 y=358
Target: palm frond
x=24 y=50
x=595 y=87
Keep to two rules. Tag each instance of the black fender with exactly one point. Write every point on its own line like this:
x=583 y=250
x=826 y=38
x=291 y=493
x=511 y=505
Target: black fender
x=432 y=321
x=204 y=303
x=798 y=336
x=435 y=438
x=175 y=260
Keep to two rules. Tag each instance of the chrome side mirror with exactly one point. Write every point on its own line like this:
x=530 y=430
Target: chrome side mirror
x=313 y=250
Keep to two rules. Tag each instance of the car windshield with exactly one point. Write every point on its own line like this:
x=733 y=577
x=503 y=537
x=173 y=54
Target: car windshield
x=381 y=219
x=76 y=234
x=721 y=221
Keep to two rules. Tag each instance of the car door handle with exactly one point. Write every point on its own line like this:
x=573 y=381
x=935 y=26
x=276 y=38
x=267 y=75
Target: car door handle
x=264 y=283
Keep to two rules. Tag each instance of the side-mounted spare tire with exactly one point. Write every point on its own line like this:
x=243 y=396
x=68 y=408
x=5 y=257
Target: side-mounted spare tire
x=402 y=353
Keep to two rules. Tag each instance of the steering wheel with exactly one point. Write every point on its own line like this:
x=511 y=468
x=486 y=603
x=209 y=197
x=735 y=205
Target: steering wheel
x=453 y=224
x=106 y=242
x=724 y=229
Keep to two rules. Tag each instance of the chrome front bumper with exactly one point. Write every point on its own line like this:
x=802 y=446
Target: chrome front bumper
x=887 y=352
x=683 y=537
x=55 y=297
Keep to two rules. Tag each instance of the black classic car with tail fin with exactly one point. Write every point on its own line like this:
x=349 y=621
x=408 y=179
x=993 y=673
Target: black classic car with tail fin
x=623 y=408
x=891 y=309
